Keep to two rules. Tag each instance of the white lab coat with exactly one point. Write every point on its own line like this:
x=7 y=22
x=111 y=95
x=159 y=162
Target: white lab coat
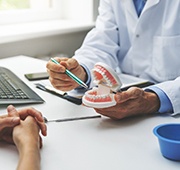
x=148 y=46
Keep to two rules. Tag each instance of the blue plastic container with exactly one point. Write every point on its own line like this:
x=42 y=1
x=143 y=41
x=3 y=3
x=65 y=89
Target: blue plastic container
x=169 y=140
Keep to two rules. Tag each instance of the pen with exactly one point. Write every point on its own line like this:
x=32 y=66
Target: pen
x=71 y=75
x=71 y=119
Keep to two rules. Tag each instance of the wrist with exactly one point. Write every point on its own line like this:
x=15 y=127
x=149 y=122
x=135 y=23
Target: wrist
x=165 y=103
x=154 y=100
x=28 y=146
x=87 y=75
x=29 y=157
x=84 y=74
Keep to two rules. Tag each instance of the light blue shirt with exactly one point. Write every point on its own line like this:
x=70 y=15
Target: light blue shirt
x=139 y=5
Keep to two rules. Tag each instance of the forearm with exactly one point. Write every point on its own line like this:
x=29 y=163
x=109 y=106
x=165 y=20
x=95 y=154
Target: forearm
x=29 y=158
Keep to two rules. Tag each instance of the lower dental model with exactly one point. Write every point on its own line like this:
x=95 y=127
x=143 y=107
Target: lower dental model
x=108 y=82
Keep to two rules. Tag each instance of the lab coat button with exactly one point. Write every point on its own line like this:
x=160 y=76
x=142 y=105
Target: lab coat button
x=137 y=35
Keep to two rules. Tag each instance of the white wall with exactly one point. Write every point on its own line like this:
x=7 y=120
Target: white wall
x=64 y=43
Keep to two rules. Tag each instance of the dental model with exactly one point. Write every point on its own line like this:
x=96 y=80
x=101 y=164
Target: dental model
x=108 y=82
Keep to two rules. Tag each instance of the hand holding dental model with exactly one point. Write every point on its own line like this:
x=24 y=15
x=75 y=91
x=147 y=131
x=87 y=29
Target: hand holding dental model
x=132 y=102
x=122 y=104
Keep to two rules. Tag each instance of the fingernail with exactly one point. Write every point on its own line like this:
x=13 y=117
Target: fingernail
x=10 y=107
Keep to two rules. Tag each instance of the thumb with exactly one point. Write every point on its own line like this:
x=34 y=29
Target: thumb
x=131 y=93
x=12 y=111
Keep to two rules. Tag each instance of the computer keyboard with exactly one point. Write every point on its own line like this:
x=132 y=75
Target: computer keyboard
x=14 y=91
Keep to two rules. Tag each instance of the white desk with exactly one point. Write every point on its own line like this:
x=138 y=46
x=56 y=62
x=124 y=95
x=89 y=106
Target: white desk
x=96 y=144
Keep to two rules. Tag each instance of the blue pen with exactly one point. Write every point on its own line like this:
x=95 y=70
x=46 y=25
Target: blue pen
x=75 y=78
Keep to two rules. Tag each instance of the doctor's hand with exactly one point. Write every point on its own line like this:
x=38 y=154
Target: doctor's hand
x=132 y=102
x=57 y=75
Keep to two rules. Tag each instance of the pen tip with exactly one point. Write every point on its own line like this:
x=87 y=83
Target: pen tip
x=85 y=86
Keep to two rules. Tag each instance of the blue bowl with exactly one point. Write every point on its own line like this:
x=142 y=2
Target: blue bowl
x=169 y=140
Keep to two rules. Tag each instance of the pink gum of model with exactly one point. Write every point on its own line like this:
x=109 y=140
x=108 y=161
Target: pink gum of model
x=107 y=82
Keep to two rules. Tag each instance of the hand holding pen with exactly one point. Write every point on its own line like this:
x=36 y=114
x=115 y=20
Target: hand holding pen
x=61 y=76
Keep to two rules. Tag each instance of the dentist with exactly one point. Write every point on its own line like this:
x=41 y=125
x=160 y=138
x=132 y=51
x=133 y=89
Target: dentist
x=141 y=38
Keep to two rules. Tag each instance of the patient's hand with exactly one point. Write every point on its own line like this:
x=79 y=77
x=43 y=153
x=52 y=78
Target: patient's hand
x=28 y=141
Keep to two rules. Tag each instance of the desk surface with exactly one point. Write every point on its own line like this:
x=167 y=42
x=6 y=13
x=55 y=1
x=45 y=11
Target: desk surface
x=96 y=144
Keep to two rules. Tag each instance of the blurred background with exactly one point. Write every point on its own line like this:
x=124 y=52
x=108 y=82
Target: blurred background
x=44 y=28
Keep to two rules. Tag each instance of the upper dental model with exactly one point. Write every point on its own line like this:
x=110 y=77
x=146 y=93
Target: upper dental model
x=108 y=82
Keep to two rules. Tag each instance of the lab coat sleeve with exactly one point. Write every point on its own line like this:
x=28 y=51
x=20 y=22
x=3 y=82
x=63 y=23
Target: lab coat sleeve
x=101 y=43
